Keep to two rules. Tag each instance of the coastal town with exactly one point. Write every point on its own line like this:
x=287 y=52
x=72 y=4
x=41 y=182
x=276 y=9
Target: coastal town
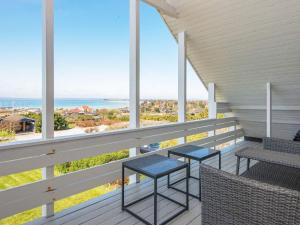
x=19 y=124
x=25 y=124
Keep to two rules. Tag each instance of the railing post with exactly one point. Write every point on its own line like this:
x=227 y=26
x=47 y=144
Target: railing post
x=269 y=110
x=182 y=81
x=235 y=132
x=212 y=106
x=48 y=90
x=134 y=74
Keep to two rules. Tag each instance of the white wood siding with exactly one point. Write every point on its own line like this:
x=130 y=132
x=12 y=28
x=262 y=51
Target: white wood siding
x=242 y=45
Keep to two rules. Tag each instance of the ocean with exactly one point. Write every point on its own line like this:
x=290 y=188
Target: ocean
x=63 y=103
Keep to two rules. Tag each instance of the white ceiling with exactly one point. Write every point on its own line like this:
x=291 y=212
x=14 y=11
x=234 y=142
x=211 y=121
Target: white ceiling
x=241 y=45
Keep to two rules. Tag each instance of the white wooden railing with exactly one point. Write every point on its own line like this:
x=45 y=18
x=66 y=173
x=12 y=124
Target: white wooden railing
x=20 y=157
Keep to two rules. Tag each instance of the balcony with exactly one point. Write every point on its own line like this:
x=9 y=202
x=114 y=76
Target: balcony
x=250 y=78
x=106 y=209
x=21 y=157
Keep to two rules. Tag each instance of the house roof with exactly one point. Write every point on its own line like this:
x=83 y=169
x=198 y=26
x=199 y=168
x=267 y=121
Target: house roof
x=18 y=119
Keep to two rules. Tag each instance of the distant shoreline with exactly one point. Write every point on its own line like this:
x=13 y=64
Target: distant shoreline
x=27 y=103
x=106 y=99
x=39 y=99
x=70 y=103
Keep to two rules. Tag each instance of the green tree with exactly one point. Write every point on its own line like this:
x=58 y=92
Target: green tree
x=60 y=122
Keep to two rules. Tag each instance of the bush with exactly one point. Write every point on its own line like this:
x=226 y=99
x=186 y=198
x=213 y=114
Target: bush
x=165 y=117
x=86 y=123
x=93 y=161
x=6 y=135
x=60 y=122
x=198 y=116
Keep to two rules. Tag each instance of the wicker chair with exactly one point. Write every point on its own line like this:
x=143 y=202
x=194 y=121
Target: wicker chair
x=228 y=199
x=281 y=145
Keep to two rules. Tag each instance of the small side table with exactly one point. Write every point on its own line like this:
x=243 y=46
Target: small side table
x=155 y=166
x=192 y=152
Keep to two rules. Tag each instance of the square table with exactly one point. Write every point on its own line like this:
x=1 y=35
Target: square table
x=192 y=152
x=155 y=166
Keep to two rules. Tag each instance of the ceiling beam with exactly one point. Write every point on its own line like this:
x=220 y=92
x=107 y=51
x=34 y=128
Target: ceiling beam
x=164 y=7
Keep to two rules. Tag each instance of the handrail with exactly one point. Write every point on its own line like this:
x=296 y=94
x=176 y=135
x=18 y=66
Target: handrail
x=36 y=148
x=76 y=137
x=25 y=156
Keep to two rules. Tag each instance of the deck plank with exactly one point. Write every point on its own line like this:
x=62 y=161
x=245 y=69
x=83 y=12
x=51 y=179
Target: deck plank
x=106 y=209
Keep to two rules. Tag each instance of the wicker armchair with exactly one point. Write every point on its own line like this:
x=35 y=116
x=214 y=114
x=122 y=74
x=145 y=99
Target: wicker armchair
x=281 y=145
x=228 y=199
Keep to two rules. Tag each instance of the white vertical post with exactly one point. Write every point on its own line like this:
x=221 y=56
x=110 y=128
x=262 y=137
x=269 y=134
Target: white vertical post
x=212 y=106
x=134 y=73
x=269 y=110
x=182 y=80
x=48 y=89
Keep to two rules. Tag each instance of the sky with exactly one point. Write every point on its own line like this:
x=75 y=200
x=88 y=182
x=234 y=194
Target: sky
x=91 y=51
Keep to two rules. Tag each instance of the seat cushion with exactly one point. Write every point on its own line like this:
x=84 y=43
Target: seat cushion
x=278 y=175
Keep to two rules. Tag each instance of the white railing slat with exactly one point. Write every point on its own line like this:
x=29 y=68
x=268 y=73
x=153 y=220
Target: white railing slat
x=25 y=164
x=39 y=147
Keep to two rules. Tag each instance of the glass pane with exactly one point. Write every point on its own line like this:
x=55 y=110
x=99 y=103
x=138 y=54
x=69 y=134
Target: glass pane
x=197 y=96
x=20 y=86
x=158 y=70
x=91 y=66
x=20 y=70
x=91 y=79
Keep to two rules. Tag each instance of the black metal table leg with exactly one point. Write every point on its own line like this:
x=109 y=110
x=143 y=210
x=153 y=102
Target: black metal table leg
x=168 y=174
x=238 y=165
x=190 y=168
x=220 y=161
x=248 y=164
x=155 y=201
x=123 y=191
x=187 y=187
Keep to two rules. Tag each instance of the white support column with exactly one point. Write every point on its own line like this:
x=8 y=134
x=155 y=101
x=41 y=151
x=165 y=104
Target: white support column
x=182 y=80
x=212 y=106
x=48 y=90
x=134 y=73
x=269 y=110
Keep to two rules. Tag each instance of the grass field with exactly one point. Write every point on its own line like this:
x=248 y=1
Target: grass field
x=35 y=175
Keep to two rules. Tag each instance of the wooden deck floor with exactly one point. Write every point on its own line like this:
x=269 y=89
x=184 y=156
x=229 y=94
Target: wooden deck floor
x=106 y=210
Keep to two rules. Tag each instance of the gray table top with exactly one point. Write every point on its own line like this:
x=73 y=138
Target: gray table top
x=194 y=152
x=155 y=166
x=280 y=158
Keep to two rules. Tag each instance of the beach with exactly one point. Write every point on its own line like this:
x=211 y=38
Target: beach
x=67 y=103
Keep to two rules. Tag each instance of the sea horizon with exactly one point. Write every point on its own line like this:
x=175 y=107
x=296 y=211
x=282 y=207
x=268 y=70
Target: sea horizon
x=98 y=103
x=36 y=103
